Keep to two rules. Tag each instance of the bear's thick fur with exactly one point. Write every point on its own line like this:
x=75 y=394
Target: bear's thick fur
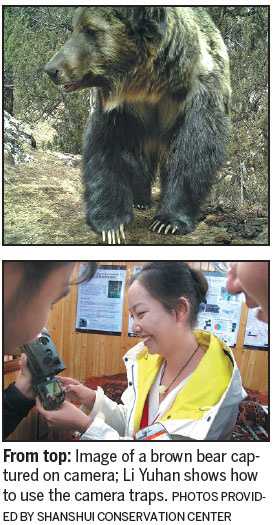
x=162 y=104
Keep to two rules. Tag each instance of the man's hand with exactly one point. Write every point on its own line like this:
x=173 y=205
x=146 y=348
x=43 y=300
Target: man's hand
x=67 y=417
x=78 y=393
x=24 y=380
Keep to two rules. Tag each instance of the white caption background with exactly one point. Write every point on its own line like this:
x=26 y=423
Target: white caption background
x=95 y=482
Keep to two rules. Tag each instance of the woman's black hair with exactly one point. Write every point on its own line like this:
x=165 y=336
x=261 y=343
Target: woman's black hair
x=167 y=281
x=36 y=272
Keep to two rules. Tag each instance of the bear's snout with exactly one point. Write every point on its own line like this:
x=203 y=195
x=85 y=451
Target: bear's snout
x=51 y=70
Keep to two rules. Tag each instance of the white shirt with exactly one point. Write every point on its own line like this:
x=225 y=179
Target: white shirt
x=156 y=408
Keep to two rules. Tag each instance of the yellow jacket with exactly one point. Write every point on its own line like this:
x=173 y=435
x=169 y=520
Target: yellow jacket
x=205 y=409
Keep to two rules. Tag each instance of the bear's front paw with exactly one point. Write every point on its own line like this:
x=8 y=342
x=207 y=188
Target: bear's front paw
x=111 y=236
x=170 y=224
x=110 y=227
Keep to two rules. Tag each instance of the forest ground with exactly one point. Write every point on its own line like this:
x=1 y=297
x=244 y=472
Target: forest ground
x=43 y=205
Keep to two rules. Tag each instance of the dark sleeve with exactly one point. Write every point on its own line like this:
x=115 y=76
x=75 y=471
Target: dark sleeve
x=16 y=407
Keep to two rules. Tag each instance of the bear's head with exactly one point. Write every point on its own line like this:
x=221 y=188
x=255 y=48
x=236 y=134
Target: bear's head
x=108 y=48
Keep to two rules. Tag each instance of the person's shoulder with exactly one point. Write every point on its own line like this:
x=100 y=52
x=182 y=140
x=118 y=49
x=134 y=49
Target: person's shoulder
x=135 y=351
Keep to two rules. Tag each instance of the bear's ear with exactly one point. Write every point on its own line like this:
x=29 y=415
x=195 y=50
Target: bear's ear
x=138 y=15
x=148 y=22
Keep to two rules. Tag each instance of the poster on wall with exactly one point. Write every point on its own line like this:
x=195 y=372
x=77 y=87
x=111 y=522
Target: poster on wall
x=221 y=315
x=256 y=333
x=130 y=322
x=100 y=301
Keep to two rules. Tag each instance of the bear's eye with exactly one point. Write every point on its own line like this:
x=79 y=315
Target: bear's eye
x=90 y=31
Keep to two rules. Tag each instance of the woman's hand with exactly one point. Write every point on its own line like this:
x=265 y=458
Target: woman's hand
x=78 y=393
x=67 y=417
x=24 y=379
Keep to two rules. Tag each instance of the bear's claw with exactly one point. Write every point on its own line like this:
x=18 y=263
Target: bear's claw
x=158 y=226
x=112 y=235
x=142 y=207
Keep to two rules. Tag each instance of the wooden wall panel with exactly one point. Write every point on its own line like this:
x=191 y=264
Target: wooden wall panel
x=9 y=378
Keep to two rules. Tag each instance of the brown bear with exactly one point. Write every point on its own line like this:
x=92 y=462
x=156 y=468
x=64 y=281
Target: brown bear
x=162 y=105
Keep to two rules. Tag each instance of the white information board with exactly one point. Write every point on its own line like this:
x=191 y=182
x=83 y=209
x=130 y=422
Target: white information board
x=100 y=301
x=256 y=333
x=221 y=315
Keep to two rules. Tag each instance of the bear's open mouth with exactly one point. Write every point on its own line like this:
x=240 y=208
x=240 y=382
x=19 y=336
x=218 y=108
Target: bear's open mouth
x=88 y=81
x=73 y=86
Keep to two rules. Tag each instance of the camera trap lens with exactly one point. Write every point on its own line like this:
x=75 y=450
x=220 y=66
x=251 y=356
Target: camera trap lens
x=44 y=340
x=47 y=360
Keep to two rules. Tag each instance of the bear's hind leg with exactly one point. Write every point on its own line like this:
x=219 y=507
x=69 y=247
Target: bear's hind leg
x=142 y=194
x=142 y=186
